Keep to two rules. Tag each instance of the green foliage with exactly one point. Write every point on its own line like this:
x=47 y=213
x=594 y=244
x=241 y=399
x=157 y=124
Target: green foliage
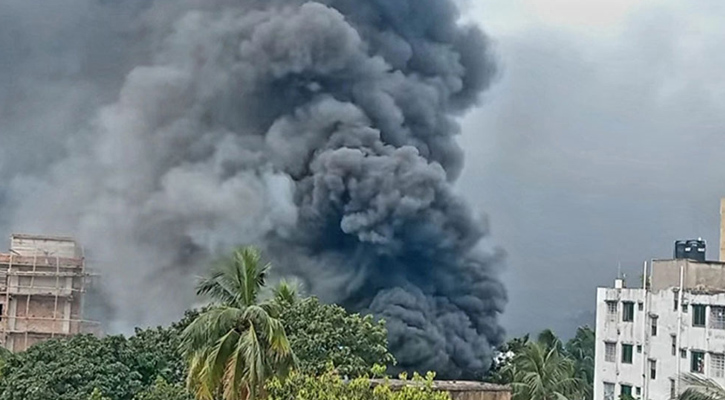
x=700 y=388
x=72 y=369
x=285 y=293
x=239 y=329
x=157 y=354
x=581 y=349
x=516 y=344
x=548 y=339
x=577 y=353
x=113 y=368
x=540 y=372
x=161 y=390
x=330 y=386
x=421 y=389
x=237 y=344
x=322 y=333
x=97 y=395
x=498 y=373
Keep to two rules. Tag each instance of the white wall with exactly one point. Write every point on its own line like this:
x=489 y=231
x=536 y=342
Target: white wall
x=659 y=347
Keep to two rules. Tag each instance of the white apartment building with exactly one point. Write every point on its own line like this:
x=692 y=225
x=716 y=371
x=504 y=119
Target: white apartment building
x=647 y=337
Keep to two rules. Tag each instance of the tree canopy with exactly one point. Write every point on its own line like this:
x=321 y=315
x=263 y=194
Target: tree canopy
x=330 y=386
x=72 y=369
x=323 y=333
x=335 y=352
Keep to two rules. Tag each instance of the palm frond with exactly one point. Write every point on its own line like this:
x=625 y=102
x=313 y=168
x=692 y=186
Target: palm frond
x=215 y=287
x=250 y=275
x=701 y=388
x=255 y=365
x=208 y=328
x=286 y=293
x=234 y=382
x=218 y=358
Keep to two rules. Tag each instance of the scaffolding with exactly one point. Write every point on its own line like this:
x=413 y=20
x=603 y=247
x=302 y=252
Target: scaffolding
x=42 y=283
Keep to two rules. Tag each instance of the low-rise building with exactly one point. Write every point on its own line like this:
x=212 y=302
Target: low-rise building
x=672 y=324
x=458 y=390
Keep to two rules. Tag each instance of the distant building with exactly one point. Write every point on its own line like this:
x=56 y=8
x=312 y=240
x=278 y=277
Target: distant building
x=42 y=283
x=458 y=390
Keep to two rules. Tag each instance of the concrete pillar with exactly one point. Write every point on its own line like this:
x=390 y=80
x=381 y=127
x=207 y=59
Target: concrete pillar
x=722 y=229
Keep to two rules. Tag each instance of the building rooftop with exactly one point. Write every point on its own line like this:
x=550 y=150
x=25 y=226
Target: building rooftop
x=448 y=386
x=41 y=237
x=690 y=261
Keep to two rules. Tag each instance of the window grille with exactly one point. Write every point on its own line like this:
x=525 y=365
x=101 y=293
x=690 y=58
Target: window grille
x=610 y=352
x=717 y=365
x=717 y=317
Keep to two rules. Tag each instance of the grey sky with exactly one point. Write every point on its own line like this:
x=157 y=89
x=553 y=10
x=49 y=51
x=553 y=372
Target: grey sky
x=601 y=143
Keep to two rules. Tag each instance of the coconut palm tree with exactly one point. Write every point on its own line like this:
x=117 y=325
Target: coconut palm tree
x=286 y=293
x=235 y=345
x=701 y=388
x=581 y=349
x=548 y=338
x=541 y=372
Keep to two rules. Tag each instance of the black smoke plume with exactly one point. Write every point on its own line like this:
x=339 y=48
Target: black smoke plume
x=322 y=131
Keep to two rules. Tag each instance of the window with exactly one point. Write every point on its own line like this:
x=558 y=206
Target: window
x=683 y=353
x=653 y=369
x=676 y=301
x=717 y=317
x=610 y=352
x=697 y=362
x=640 y=306
x=608 y=391
x=638 y=390
x=626 y=354
x=639 y=349
x=627 y=311
x=684 y=307
x=698 y=315
x=626 y=390
x=611 y=310
x=674 y=345
x=673 y=394
x=717 y=365
x=653 y=326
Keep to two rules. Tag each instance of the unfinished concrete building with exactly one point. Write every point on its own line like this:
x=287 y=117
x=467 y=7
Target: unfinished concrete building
x=42 y=282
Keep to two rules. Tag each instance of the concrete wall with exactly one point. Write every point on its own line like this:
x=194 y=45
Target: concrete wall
x=458 y=390
x=494 y=395
x=670 y=323
x=708 y=275
x=29 y=245
x=611 y=329
x=722 y=229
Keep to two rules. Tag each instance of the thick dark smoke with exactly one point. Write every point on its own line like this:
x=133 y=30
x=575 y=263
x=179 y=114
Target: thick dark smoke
x=321 y=131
